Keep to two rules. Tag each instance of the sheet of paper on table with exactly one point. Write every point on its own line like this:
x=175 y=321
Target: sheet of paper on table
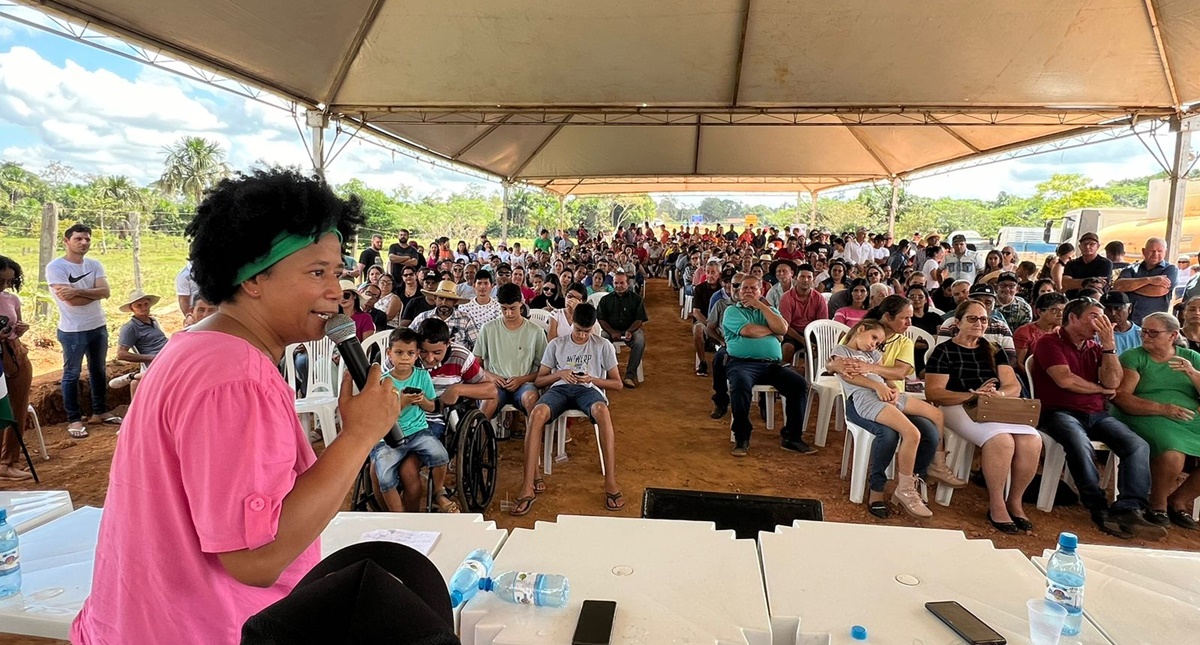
x=422 y=541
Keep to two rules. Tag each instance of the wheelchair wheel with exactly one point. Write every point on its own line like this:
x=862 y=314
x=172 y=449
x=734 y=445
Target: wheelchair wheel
x=363 y=498
x=476 y=459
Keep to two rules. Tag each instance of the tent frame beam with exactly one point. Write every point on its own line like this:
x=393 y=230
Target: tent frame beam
x=360 y=37
x=1152 y=14
x=741 y=53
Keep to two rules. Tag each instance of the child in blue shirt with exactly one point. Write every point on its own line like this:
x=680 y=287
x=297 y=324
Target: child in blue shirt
x=418 y=440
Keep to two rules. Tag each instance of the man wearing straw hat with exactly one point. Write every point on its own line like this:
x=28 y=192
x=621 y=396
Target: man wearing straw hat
x=140 y=339
x=463 y=329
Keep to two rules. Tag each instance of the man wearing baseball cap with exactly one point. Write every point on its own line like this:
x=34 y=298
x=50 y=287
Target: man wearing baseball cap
x=960 y=263
x=1089 y=264
x=1016 y=312
x=1117 y=309
x=997 y=332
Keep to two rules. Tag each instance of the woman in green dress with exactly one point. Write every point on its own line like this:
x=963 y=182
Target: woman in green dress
x=1158 y=399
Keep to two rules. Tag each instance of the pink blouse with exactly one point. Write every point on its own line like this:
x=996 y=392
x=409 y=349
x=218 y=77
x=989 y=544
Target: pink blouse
x=207 y=453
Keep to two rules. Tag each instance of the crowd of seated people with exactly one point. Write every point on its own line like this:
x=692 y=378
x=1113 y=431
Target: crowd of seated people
x=1112 y=365
x=465 y=313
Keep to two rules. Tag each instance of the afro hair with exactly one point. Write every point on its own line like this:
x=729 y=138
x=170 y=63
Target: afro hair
x=239 y=218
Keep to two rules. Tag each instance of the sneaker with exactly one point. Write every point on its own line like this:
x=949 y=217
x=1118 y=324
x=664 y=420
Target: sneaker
x=122 y=381
x=1132 y=522
x=718 y=411
x=740 y=448
x=797 y=445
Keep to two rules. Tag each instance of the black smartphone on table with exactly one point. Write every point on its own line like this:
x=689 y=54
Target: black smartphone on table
x=595 y=623
x=964 y=623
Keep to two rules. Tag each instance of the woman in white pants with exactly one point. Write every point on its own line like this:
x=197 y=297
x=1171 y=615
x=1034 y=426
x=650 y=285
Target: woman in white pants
x=968 y=366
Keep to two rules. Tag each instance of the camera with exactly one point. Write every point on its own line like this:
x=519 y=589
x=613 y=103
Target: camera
x=5 y=327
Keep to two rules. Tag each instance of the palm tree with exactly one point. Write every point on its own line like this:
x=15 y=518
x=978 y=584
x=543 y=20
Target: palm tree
x=192 y=166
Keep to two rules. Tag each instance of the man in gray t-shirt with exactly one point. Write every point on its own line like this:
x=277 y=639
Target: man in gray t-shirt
x=576 y=369
x=78 y=284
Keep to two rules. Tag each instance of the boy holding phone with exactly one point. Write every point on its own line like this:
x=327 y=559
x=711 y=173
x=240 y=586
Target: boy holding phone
x=416 y=399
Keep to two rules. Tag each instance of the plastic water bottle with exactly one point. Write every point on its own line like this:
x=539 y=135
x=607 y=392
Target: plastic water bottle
x=1064 y=581
x=525 y=588
x=10 y=559
x=464 y=584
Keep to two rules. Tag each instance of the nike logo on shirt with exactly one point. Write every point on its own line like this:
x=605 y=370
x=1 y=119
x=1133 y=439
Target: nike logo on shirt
x=73 y=279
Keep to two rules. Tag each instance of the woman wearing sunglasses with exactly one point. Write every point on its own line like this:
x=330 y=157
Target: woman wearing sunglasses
x=351 y=305
x=409 y=287
x=549 y=298
x=969 y=366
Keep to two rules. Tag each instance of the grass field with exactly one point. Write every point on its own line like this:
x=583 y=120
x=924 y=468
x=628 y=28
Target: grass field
x=161 y=258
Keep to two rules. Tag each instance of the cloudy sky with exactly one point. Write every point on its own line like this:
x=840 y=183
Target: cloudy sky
x=103 y=114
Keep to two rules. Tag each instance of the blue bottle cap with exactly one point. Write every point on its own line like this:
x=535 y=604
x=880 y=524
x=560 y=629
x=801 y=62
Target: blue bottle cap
x=858 y=633
x=1068 y=540
x=3 y=514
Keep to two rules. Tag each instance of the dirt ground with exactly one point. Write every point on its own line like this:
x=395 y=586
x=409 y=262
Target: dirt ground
x=665 y=438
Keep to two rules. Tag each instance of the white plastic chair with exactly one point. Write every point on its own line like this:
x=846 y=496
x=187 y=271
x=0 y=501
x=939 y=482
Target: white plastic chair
x=916 y=333
x=935 y=310
x=541 y=318
x=856 y=455
x=559 y=427
x=1054 y=464
x=686 y=311
x=681 y=295
x=595 y=298
x=820 y=336
x=321 y=388
x=770 y=393
x=37 y=426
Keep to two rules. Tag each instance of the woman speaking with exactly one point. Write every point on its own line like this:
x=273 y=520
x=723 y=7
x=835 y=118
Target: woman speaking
x=215 y=499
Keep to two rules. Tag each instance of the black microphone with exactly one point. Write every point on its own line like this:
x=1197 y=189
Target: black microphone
x=341 y=330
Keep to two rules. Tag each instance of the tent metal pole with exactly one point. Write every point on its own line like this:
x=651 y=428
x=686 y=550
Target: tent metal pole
x=892 y=209
x=1178 y=191
x=504 y=216
x=316 y=121
x=812 y=213
x=561 y=226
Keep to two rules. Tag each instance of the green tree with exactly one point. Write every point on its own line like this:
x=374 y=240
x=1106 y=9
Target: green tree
x=1063 y=192
x=192 y=166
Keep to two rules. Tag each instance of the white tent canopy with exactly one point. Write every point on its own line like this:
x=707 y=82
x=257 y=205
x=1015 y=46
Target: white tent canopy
x=585 y=97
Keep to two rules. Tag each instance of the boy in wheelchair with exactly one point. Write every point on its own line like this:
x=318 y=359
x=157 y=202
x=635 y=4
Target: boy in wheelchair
x=420 y=438
x=455 y=374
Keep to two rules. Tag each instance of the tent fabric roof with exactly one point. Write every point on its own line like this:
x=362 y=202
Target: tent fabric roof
x=586 y=97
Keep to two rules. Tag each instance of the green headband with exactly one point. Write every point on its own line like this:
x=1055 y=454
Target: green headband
x=282 y=246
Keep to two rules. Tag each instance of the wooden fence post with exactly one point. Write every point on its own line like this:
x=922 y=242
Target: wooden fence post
x=135 y=229
x=46 y=249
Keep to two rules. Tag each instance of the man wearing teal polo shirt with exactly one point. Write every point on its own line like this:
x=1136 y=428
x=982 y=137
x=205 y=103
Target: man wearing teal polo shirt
x=752 y=330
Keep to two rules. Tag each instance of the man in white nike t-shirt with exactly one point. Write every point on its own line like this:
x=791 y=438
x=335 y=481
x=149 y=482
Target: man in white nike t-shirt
x=79 y=284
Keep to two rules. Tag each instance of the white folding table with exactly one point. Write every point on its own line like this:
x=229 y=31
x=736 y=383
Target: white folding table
x=461 y=533
x=823 y=578
x=1140 y=595
x=56 y=576
x=32 y=508
x=673 y=581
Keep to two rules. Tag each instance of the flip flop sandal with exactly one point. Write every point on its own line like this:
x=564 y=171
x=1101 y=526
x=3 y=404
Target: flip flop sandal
x=539 y=486
x=447 y=505
x=78 y=433
x=524 y=505
x=112 y=420
x=613 y=501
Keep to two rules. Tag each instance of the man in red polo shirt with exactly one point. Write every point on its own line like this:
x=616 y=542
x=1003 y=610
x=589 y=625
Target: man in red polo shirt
x=1075 y=378
x=800 y=306
x=791 y=252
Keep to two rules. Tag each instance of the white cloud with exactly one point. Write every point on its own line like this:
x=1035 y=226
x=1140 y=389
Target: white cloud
x=101 y=123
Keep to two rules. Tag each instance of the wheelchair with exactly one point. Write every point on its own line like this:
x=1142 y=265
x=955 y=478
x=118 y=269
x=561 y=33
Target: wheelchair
x=470 y=440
